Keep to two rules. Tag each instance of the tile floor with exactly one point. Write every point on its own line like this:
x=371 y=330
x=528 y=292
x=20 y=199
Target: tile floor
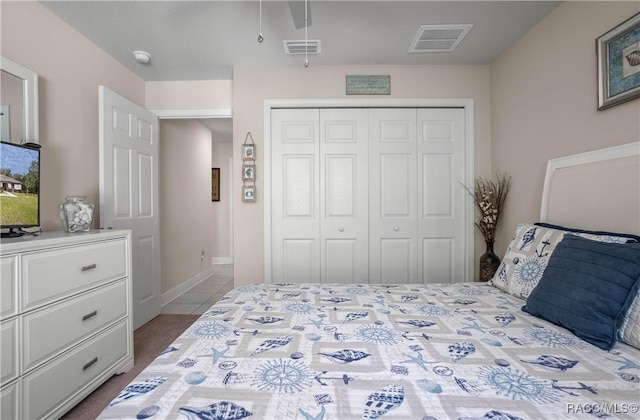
x=200 y=297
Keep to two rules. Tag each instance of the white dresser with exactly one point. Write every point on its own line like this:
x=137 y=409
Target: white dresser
x=65 y=319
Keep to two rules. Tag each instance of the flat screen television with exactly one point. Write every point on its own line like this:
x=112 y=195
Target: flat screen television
x=19 y=188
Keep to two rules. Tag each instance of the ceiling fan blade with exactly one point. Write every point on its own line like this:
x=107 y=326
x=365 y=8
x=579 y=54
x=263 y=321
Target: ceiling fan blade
x=297 y=12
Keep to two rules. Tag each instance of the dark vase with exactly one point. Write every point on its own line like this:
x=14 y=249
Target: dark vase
x=489 y=263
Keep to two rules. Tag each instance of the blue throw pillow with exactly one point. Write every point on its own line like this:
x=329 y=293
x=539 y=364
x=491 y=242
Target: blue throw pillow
x=587 y=288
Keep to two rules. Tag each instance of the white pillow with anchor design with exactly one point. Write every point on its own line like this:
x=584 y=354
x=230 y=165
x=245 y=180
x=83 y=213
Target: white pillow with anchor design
x=528 y=254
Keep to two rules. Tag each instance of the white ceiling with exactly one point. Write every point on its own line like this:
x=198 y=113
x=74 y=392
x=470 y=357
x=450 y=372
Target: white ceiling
x=221 y=129
x=203 y=40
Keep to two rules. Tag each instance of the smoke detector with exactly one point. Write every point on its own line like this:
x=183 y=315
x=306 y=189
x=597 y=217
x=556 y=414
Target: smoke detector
x=439 y=38
x=142 y=56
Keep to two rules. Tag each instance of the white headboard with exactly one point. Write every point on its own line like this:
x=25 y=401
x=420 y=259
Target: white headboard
x=598 y=190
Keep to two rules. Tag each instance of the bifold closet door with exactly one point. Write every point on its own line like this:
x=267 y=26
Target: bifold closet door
x=295 y=181
x=441 y=198
x=393 y=211
x=368 y=195
x=319 y=196
x=344 y=211
x=417 y=219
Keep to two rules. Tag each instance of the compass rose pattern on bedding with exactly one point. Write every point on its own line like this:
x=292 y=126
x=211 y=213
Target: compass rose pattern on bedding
x=330 y=351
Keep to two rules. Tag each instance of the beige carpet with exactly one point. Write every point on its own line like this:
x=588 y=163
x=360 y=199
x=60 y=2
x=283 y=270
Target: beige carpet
x=149 y=341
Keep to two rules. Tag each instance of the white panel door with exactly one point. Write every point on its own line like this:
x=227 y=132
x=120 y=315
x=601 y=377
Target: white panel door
x=392 y=196
x=344 y=221
x=295 y=196
x=441 y=171
x=129 y=193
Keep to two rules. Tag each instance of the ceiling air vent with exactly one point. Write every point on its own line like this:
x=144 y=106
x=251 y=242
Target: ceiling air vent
x=298 y=47
x=438 y=38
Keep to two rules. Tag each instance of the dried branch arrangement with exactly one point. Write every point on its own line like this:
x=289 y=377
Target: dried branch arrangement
x=489 y=195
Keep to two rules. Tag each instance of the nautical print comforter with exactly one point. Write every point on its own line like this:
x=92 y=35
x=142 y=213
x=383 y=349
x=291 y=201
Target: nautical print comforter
x=328 y=351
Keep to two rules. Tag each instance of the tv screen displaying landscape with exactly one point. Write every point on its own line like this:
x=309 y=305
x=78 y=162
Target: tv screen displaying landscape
x=19 y=185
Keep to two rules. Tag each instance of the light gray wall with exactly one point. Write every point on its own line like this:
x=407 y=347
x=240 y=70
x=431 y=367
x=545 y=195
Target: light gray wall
x=544 y=102
x=221 y=210
x=70 y=69
x=185 y=200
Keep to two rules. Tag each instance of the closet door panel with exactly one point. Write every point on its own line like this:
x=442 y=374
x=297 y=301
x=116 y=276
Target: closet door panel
x=392 y=196
x=341 y=186
x=441 y=153
x=344 y=224
x=397 y=264
x=341 y=258
x=295 y=196
x=437 y=187
x=298 y=192
x=299 y=260
x=438 y=258
x=396 y=195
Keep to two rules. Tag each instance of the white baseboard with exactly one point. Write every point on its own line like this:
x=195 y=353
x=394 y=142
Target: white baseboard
x=170 y=295
x=221 y=260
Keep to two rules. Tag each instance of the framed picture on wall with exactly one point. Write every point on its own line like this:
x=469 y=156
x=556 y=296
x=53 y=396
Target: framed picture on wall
x=618 y=53
x=248 y=193
x=215 y=184
x=248 y=151
x=248 y=172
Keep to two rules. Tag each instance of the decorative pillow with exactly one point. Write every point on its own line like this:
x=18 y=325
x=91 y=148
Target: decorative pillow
x=528 y=254
x=629 y=237
x=587 y=288
x=630 y=331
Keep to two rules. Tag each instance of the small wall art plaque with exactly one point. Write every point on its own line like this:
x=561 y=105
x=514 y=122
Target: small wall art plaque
x=368 y=84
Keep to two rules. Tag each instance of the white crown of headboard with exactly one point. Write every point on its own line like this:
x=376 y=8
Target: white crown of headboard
x=598 y=190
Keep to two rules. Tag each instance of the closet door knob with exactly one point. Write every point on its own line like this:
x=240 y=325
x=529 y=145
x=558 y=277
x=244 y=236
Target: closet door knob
x=396 y=228
x=341 y=229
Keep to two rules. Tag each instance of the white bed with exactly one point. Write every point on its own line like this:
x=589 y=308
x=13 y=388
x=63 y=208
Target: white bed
x=468 y=350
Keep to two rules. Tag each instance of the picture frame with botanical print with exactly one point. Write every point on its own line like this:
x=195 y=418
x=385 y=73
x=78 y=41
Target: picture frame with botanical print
x=248 y=193
x=248 y=172
x=248 y=151
x=618 y=56
x=215 y=184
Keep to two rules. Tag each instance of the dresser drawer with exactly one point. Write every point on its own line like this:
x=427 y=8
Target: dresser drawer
x=9 y=348
x=8 y=286
x=55 y=274
x=53 y=329
x=51 y=385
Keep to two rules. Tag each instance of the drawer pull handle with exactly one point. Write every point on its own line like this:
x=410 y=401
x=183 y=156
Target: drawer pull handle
x=89 y=315
x=89 y=363
x=88 y=267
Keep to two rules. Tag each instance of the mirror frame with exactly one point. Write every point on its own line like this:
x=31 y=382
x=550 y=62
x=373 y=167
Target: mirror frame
x=30 y=93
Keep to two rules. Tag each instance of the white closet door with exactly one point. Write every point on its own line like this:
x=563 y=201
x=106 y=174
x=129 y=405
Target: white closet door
x=344 y=221
x=368 y=195
x=295 y=196
x=441 y=224
x=392 y=196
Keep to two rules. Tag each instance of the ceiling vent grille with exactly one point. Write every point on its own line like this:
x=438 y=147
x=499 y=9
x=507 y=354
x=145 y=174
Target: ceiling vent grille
x=438 y=38
x=298 y=47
